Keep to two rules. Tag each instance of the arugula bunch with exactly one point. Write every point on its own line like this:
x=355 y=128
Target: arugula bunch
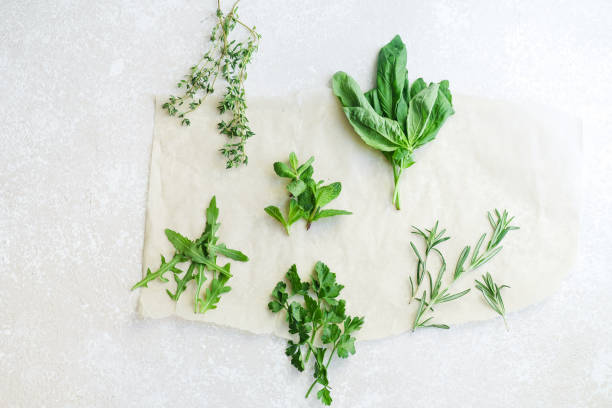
x=320 y=323
x=396 y=117
x=202 y=256
x=306 y=197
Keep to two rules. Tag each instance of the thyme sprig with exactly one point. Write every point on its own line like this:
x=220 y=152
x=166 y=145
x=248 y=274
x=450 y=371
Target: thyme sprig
x=229 y=59
x=501 y=226
x=492 y=295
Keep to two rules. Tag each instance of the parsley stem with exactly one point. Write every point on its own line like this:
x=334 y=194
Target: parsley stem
x=311 y=387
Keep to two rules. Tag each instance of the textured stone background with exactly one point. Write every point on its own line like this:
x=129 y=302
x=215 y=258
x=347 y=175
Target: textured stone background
x=77 y=84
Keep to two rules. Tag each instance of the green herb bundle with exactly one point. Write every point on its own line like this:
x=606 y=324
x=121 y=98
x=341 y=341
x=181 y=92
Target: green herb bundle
x=320 y=322
x=437 y=294
x=202 y=256
x=229 y=59
x=306 y=197
x=396 y=117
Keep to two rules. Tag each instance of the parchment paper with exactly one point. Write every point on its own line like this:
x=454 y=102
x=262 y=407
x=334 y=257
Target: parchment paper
x=490 y=154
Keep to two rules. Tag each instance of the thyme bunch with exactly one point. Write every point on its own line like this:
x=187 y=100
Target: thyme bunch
x=229 y=59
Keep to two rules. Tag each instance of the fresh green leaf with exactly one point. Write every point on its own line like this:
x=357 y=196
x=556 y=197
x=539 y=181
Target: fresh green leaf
x=325 y=194
x=391 y=74
x=282 y=170
x=376 y=131
x=348 y=91
x=296 y=187
x=330 y=213
x=419 y=114
x=274 y=212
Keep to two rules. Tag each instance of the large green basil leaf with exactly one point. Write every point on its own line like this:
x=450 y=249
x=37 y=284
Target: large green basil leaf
x=442 y=109
x=390 y=75
x=348 y=91
x=376 y=131
x=416 y=87
x=401 y=108
x=372 y=97
x=419 y=113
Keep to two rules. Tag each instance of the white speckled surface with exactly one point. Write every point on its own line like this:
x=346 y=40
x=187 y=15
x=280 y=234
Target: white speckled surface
x=76 y=119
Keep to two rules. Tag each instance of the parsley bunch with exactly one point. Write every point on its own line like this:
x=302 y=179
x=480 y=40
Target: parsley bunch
x=320 y=319
x=202 y=256
x=306 y=197
x=229 y=58
x=397 y=117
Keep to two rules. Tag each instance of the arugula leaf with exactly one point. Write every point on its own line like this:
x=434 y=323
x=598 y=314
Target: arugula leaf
x=322 y=320
x=306 y=197
x=202 y=255
x=396 y=117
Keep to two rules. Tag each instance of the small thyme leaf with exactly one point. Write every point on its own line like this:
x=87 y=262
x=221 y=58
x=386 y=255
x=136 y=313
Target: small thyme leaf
x=229 y=59
x=322 y=317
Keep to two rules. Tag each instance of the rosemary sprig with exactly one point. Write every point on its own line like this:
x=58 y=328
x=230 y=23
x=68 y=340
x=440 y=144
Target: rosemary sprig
x=492 y=295
x=437 y=294
x=228 y=58
x=501 y=226
x=432 y=238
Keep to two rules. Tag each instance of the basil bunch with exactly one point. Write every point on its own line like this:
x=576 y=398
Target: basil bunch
x=396 y=117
